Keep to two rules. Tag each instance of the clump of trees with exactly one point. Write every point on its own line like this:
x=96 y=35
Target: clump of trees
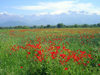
x=59 y=25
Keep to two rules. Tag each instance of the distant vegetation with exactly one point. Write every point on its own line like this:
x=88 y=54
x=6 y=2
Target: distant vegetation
x=59 y=25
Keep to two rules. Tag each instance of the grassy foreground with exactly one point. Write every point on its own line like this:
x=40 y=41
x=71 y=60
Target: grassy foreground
x=50 y=51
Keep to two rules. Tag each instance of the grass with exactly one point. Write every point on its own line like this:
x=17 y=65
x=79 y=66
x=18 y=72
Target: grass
x=73 y=51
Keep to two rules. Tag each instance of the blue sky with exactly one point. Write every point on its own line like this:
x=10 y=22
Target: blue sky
x=13 y=6
x=39 y=12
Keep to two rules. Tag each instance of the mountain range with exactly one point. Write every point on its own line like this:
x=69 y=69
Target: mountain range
x=29 y=20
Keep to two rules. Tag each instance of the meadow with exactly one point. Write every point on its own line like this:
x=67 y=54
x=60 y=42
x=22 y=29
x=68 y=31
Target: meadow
x=62 y=51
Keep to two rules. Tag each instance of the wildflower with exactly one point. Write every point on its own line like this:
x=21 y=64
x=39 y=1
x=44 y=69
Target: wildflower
x=39 y=58
x=76 y=58
x=58 y=47
x=21 y=67
x=50 y=41
x=62 y=55
x=39 y=52
x=63 y=47
x=88 y=62
x=79 y=63
x=67 y=43
x=84 y=64
x=98 y=64
x=27 y=56
x=32 y=46
x=53 y=57
x=10 y=53
x=38 y=46
x=83 y=52
x=66 y=68
x=68 y=58
x=53 y=53
x=89 y=55
x=56 y=51
x=28 y=52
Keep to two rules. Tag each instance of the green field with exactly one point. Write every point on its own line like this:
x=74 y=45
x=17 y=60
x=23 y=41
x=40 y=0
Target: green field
x=73 y=51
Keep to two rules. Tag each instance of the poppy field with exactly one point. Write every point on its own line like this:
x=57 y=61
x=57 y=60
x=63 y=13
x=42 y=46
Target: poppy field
x=59 y=51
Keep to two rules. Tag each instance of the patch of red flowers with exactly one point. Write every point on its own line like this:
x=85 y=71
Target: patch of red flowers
x=56 y=52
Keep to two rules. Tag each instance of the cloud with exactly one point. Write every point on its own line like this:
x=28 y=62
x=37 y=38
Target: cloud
x=47 y=6
x=32 y=7
x=42 y=13
x=5 y=12
x=63 y=7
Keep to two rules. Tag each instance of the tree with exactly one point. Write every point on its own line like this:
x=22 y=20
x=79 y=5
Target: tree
x=93 y=25
x=75 y=26
x=45 y=26
x=26 y=27
x=34 y=26
x=98 y=24
x=18 y=27
x=48 y=26
x=0 y=27
x=60 y=25
x=21 y=27
x=41 y=26
x=85 y=25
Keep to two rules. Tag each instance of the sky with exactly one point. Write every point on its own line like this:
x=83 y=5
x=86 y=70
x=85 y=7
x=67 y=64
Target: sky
x=24 y=7
x=49 y=7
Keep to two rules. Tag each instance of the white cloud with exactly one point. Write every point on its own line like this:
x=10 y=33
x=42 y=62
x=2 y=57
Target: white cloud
x=32 y=7
x=42 y=13
x=5 y=12
x=59 y=12
x=10 y=14
x=63 y=7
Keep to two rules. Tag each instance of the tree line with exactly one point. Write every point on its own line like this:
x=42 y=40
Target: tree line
x=59 y=25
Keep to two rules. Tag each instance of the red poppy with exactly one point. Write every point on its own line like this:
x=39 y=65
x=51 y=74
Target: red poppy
x=21 y=67
x=39 y=58
x=39 y=52
x=83 y=52
x=53 y=57
x=63 y=47
x=58 y=47
x=98 y=64
x=66 y=68
x=50 y=41
x=84 y=64
x=88 y=62
x=89 y=55
x=62 y=55
x=68 y=58
x=28 y=52
x=10 y=53
x=32 y=46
